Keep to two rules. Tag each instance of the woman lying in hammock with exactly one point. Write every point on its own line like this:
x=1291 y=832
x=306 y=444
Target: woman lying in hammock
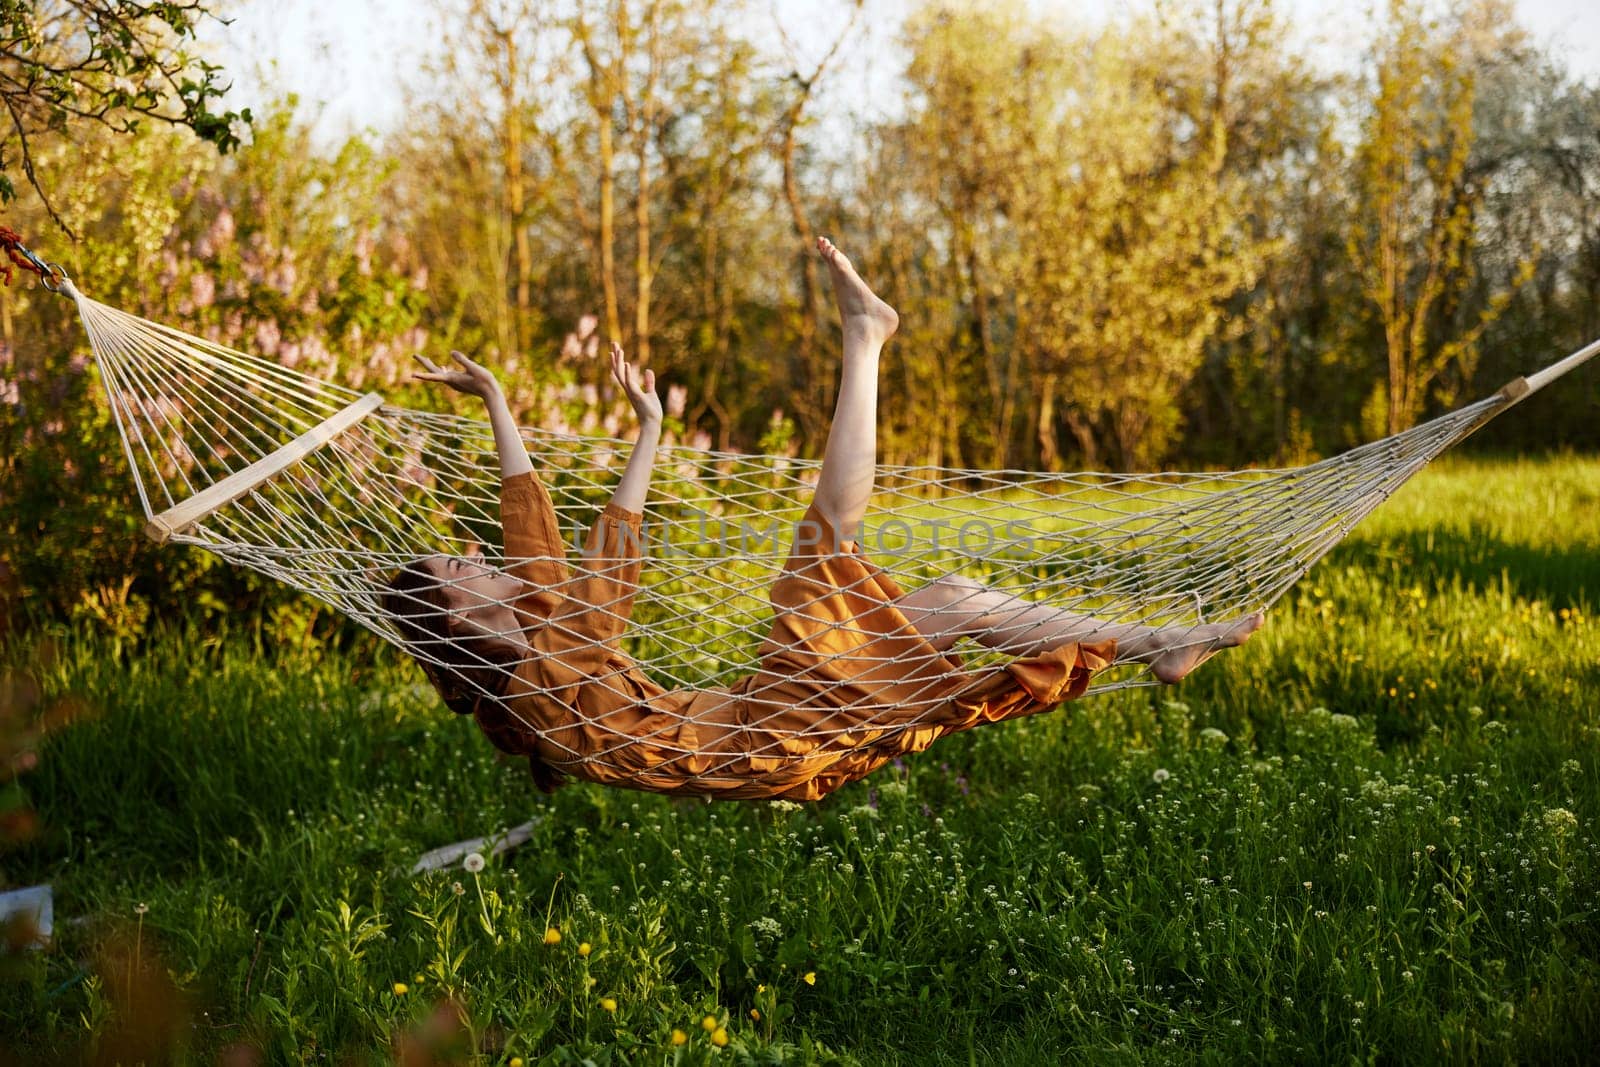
x=854 y=673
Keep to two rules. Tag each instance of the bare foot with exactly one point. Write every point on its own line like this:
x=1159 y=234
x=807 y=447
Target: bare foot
x=860 y=308
x=1197 y=644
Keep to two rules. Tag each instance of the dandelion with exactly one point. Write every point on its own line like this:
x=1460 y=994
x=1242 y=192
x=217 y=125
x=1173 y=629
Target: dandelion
x=709 y=1023
x=679 y=1037
x=473 y=863
x=401 y=989
x=516 y=1061
x=755 y=1014
x=552 y=936
x=1161 y=775
x=719 y=1037
x=608 y=1003
x=810 y=978
x=583 y=949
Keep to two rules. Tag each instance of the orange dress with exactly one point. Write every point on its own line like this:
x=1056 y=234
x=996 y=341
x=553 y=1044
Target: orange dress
x=845 y=683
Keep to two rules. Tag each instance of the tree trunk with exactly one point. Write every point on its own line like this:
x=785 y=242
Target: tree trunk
x=811 y=402
x=516 y=195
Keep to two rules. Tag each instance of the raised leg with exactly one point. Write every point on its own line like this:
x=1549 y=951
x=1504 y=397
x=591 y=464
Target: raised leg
x=952 y=607
x=848 y=463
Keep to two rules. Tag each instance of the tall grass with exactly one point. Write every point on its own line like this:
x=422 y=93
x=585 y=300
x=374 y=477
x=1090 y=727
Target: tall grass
x=1369 y=834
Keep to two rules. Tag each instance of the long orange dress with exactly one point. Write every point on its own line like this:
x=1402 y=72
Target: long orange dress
x=845 y=682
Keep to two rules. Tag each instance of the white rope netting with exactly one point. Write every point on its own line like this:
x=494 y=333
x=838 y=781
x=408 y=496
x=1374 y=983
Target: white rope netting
x=396 y=484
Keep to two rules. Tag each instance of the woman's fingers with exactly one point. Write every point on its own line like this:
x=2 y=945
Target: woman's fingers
x=649 y=381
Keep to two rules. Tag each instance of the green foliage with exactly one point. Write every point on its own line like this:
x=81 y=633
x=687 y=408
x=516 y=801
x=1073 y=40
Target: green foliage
x=1368 y=835
x=71 y=64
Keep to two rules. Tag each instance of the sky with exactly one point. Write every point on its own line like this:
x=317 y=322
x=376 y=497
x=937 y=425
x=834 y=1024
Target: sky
x=347 y=60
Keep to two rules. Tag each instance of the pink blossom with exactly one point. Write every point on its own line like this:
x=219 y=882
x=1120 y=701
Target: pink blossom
x=169 y=270
x=286 y=275
x=268 y=337
x=364 y=246
x=222 y=228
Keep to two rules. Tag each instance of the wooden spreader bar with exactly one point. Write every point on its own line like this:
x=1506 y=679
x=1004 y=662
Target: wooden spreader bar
x=180 y=517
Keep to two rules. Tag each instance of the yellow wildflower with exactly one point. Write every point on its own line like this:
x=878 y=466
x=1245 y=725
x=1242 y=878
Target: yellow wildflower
x=516 y=1061
x=679 y=1037
x=400 y=989
x=811 y=978
x=552 y=936
x=719 y=1037
x=585 y=948
x=608 y=1003
x=709 y=1023
x=755 y=1014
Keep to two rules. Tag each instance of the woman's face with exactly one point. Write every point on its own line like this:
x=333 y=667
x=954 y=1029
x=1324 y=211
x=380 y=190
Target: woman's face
x=479 y=596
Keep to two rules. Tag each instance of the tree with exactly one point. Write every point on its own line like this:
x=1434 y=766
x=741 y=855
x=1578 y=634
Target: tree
x=814 y=377
x=1413 y=238
x=1091 y=233
x=114 y=63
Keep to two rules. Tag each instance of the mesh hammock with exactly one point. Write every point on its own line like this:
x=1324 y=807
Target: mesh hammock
x=330 y=491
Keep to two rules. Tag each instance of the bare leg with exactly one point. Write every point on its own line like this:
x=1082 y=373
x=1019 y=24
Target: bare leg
x=849 y=460
x=952 y=607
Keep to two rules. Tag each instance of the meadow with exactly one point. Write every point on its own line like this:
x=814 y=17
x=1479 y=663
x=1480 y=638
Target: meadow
x=1370 y=835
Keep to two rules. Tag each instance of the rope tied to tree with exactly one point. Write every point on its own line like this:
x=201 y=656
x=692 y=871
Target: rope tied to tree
x=19 y=255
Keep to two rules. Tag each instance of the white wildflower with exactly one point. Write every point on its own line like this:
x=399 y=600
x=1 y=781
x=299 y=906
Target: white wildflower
x=473 y=863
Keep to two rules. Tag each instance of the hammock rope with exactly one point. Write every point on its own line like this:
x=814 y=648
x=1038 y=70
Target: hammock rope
x=331 y=492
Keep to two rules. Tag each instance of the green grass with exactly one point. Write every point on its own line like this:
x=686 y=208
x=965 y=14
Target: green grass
x=1369 y=835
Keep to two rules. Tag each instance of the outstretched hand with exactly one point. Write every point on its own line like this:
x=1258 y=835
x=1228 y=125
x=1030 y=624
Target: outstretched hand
x=472 y=379
x=641 y=394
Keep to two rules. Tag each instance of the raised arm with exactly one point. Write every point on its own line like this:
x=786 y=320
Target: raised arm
x=630 y=491
x=527 y=516
x=599 y=600
x=479 y=381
